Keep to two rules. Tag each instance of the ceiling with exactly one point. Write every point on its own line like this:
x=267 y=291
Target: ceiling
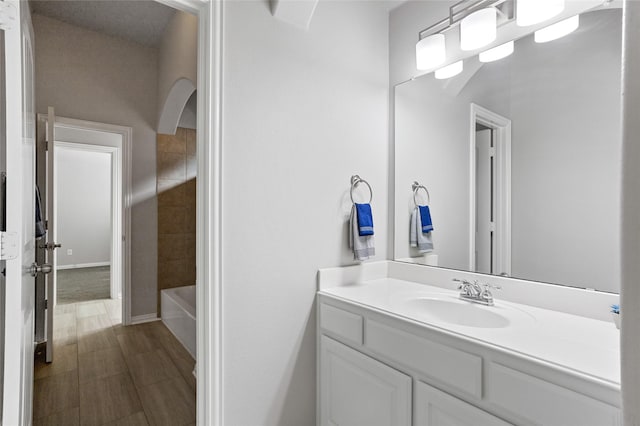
x=140 y=21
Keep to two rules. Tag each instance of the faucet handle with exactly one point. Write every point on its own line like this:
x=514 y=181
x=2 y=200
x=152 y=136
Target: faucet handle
x=488 y=286
x=463 y=283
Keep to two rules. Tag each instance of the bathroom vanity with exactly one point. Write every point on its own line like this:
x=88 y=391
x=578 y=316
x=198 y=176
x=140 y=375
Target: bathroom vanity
x=397 y=347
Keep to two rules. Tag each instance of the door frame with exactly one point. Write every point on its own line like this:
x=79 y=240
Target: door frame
x=502 y=128
x=209 y=208
x=121 y=196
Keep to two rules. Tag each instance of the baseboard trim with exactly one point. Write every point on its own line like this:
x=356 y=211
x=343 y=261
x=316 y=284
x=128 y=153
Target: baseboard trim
x=139 y=319
x=83 y=265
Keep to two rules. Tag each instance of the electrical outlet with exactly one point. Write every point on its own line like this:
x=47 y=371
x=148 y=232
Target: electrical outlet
x=69 y=252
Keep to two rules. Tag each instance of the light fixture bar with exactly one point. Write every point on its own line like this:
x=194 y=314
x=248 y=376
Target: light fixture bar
x=462 y=9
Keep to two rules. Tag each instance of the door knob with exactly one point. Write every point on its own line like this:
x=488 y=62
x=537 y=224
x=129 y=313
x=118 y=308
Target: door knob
x=45 y=268
x=51 y=246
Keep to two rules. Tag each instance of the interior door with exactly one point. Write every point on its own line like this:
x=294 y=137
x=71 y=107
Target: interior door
x=484 y=202
x=19 y=239
x=46 y=246
x=51 y=244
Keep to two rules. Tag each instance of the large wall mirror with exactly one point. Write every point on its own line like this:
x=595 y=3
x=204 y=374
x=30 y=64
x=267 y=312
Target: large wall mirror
x=521 y=158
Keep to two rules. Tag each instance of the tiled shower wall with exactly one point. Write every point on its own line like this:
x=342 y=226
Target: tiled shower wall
x=176 y=186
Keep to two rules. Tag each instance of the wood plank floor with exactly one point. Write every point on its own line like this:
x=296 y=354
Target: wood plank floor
x=107 y=374
x=83 y=284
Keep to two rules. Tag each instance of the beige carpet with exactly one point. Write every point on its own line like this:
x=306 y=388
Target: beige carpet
x=82 y=284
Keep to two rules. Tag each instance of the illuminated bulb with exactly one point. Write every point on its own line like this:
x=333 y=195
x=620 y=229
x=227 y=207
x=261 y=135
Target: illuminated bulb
x=449 y=71
x=531 y=12
x=557 y=30
x=430 y=52
x=497 y=53
x=478 y=29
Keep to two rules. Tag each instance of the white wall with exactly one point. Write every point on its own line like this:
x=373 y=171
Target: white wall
x=90 y=76
x=188 y=119
x=564 y=102
x=432 y=147
x=83 y=192
x=302 y=112
x=178 y=58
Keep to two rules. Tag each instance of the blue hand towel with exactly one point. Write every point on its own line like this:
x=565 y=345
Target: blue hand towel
x=365 y=219
x=425 y=216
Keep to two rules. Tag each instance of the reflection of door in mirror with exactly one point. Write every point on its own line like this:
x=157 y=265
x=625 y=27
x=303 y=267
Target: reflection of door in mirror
x=485 y=179
x=490 y=192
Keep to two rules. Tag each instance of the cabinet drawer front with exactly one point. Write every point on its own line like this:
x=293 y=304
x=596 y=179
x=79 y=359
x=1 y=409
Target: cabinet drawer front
x=436 y=408
x=341 y=323
x=356 y=390
x=537 y=401
x=452 y=367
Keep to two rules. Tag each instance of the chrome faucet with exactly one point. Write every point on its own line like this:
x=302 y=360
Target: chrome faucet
x=476 y=292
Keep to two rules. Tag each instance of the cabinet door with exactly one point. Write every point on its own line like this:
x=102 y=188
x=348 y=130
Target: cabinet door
x=356 y=390
x=436 y=408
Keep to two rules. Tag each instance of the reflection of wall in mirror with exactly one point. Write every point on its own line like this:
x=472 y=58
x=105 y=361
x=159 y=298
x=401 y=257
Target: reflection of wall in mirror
x=563 y=99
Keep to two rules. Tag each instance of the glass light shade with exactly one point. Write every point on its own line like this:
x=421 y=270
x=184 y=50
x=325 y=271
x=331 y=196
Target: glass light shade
x=449 y=71
x=531 y=12
x=430 y=52
x=497 y=52
x=478 y=29
x=557 y=30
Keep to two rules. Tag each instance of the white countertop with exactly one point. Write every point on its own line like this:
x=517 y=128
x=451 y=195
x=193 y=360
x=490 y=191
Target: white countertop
x=589 y=347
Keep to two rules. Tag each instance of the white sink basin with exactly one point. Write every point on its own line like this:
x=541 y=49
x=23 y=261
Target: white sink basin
x=459 y=312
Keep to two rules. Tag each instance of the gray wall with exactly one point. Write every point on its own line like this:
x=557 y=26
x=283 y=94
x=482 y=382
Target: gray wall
x=302 y=112
x=83 y=217
x=563 y=99
x=90 y=76
x=177 y=54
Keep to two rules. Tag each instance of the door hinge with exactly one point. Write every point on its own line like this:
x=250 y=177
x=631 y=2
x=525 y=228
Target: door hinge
x=46 y=225
x=46 y=145
x=46 y=303
x=492 y=226
x=7 y=15
x=492 y=152
x=8 y=245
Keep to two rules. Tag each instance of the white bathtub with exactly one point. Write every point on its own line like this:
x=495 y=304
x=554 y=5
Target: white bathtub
x=179 y=314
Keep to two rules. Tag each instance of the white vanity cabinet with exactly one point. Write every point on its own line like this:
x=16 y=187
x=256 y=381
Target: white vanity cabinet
x=358 y=390
x=436 y=408
x=376 y=368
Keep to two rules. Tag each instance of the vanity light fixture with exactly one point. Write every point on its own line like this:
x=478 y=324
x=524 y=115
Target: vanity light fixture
x=497 y=53
x=449 y=71
x=478 y=29
x=478 y=21
x=430 y=52
x=557 y=30
x=531 y=12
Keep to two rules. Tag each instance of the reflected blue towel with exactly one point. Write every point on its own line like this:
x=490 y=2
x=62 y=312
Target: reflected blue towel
x=365 y=219
x=425 y=216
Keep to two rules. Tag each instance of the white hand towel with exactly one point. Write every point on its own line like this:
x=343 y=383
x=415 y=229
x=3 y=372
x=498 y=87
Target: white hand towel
x=424 y=242
x=363 y=246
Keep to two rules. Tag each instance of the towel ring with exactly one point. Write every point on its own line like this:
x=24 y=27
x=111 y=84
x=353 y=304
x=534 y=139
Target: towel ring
x=355 y=181
x=417 y=187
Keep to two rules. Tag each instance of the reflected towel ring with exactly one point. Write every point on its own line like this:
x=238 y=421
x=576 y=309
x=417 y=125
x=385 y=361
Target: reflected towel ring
x=355 y=181
x=417 y=187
